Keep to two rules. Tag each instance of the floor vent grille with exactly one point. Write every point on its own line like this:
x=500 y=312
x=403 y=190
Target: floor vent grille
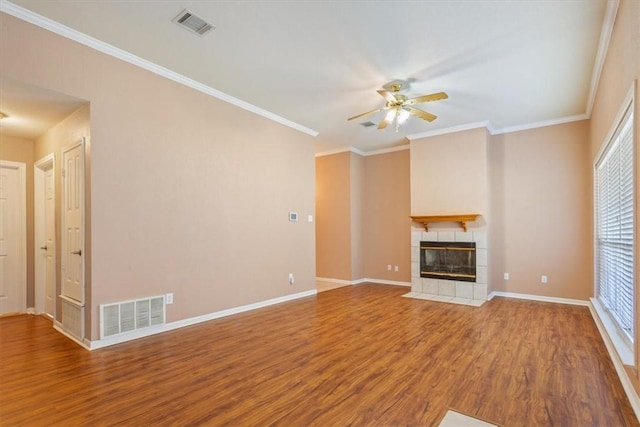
x=128 y=316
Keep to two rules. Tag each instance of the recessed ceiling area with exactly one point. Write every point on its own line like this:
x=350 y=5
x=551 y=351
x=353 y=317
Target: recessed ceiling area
x=512 y=63
x=31 y=111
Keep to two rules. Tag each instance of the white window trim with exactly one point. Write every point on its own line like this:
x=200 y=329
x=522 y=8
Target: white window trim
x=624 y=348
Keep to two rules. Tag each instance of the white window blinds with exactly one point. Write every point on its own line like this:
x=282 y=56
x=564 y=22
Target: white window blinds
x=614 y=227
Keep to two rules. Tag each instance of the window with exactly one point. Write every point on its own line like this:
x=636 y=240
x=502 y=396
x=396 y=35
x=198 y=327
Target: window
x=614 y=218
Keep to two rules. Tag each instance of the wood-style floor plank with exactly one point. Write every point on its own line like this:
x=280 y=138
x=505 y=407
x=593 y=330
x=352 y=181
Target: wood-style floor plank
x=360 y=356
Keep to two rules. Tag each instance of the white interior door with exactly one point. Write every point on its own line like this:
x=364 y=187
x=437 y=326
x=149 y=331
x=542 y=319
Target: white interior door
x=49 y=248
x=73 y=222
x=45 y=242
x=13 y=238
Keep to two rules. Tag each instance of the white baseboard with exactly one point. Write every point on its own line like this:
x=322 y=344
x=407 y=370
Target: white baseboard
x=58 y=327
x=633 y=397
x=105 y=342
x=360 y=281
x=31 y=310
x=335 y=281
x=538 y=298
x=387 y=282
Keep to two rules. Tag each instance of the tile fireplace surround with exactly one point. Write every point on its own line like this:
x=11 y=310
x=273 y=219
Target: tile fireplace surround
x=468 y=293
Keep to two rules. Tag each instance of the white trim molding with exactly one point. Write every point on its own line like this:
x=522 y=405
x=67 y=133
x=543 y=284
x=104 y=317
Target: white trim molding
x=627 y=103
x=363 y=280
x=363 y=153
x=341 y=150
x=334 y=281
x=84 y=39
x=603 y=47
x=616 y=357
x=484 y=124
x=540 y=298
x=386 y=282
x=105 y=342
x=387 y=150
x=57 y=325
x=545 y=123
x=618 y=363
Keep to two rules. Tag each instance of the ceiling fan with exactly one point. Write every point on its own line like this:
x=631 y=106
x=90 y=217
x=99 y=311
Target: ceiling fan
x=400 y=107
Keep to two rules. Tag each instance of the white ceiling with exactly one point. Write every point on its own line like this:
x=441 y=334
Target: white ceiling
x=316 y=63
x=31 y=111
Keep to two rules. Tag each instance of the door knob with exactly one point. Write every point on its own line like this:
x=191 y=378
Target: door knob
x=44 y=247
x=78 y=252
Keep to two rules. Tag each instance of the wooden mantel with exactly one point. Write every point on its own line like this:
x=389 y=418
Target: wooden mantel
x=462 y=219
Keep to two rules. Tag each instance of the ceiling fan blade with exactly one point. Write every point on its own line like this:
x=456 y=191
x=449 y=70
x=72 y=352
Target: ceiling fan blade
x=422 y=114
x=387 y=95
x=385 y=122
x=426 y=98
x=366 y=114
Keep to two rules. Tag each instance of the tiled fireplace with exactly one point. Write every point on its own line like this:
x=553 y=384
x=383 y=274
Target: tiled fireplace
x=469 y=292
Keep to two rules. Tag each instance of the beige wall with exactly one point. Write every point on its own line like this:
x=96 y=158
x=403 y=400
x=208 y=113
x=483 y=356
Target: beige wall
x=495 y=232
x=540 y=199
x=189 y=194
x=333 y=216
x=449 y=174
x=386 y=222
x=532 y=189
x=358 y=212
x=621 y=69
x=69 y=131
x=362 y=216
x=21 y=150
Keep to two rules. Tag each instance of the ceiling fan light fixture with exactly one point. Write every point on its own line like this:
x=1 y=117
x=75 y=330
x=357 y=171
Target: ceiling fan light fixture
x=399 y=107
x=403 y=115
x=391 y=114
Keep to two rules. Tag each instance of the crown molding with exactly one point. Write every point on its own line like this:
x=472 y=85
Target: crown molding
x=469 y=126
x=545 y=123
x=363 y=153
x=387 y=150
x=601 y=55
x=484 y=124
x=86 y=40
x=341 y=150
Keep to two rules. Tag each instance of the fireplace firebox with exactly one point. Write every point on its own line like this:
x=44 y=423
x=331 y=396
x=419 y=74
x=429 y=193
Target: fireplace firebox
x=448 y=260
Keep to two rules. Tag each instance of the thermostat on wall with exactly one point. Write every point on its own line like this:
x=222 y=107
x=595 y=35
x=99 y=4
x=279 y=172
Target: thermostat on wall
x=293 y=216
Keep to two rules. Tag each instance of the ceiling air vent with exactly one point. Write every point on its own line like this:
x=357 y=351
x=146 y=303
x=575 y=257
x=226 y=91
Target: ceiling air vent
x=368 y=124
x=193 y=23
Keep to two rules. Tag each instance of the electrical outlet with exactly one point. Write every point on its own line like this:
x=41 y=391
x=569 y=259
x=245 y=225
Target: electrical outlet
x=396 y=268
x=543 y=279
x=169 y=298
x=506 y=276
x=388 y=267
x=291 y=280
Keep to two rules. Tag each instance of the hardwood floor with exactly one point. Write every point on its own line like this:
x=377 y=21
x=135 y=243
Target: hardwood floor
x=359 y=355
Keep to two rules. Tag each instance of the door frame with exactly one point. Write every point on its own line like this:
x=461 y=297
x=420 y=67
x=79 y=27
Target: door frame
x=39 y=193
x=22 y=229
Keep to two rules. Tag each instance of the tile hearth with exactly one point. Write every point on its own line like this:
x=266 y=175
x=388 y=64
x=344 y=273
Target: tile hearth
x=466 y=293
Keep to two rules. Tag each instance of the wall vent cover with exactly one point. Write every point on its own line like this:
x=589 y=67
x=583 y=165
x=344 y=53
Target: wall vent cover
x=195 y=24
x=72 y=317
x=128 y=316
